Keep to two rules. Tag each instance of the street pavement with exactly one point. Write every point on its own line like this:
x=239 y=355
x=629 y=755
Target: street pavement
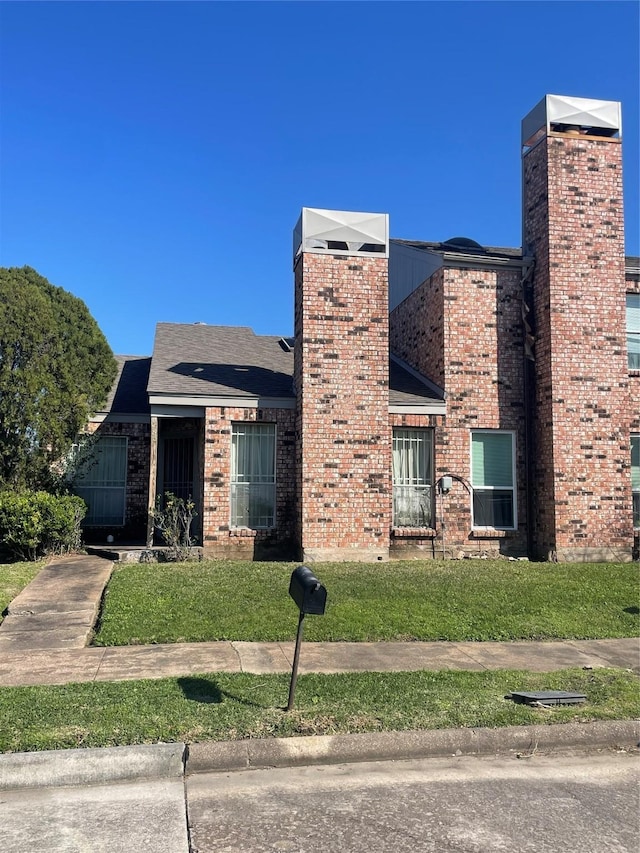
x=586 y=803
x=535 y=802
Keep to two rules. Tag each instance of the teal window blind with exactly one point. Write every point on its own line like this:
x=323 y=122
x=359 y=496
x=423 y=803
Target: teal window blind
x=492 y=479
x=492 y=455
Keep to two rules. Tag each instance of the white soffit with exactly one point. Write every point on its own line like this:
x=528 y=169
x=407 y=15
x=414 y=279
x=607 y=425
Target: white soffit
x=576 y=112
x=341 y=232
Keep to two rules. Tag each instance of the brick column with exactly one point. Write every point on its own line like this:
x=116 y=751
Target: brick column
x=573 y=226
x=343 y=432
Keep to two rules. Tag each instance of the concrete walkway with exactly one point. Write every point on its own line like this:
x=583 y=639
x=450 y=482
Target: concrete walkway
x=43 y=640
x=58 y=609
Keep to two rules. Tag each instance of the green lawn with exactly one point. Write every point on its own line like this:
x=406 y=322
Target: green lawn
x=228 y=707
x=430 y=600
x=13 y=579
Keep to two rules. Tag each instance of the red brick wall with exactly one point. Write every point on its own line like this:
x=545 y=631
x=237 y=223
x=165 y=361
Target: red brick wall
x=417 y=329
x=343 y=455
x=467 y=322
x=219 y=539
x=574 y=228
x=633 y=286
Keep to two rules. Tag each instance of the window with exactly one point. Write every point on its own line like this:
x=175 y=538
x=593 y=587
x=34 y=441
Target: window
x=412 y=478
x=253 y=475
x=102 y=480
x=633 y=330
x=635 y=478
x=493 y=479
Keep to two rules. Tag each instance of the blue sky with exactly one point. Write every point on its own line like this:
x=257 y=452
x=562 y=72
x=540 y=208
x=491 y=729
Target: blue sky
x=155 y=156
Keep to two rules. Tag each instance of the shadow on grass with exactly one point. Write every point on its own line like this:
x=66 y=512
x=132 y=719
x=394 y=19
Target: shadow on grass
x=633 y=610
x=202 y=690
x=208 y=692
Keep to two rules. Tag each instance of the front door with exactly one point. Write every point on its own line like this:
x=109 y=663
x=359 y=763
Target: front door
x=177 y=473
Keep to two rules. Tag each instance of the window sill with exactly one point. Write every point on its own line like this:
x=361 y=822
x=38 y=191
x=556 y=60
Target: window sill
x=491 y=533
x=413 y=532
x=246 y=532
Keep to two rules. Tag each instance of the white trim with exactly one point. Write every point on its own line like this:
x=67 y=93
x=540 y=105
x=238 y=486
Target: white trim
x=164 y=411
x=116 y=418
x=213 y=401
x=427 y=409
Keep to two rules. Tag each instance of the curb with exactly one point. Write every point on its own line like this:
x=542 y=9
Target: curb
x=79 y=767
x=65 y=767
x=393 y=746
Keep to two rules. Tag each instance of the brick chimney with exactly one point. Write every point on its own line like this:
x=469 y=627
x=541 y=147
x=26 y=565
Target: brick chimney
x=573 y=226
x=343 y=433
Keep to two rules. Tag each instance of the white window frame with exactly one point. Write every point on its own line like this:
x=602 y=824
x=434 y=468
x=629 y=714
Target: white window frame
x=245 y=483
x=635 y=478
x=633 y=331
x=89 y=481
x=410 y=488
x=503 y=488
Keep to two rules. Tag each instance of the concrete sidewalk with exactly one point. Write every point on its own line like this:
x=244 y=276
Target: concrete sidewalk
x=60 y=666
x=43 y=640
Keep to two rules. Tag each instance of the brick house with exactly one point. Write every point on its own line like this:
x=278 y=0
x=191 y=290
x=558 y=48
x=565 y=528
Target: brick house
x=437 y=399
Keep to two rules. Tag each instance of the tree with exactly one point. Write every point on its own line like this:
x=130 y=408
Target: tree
x=56 y=369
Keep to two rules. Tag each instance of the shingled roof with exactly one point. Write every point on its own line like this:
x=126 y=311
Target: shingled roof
x=232 y=361
x=128 y=393
x=487 y=251
x=407 y=387
x=201 y=360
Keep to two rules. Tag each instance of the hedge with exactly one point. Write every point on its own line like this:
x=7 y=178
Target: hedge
x=33 y=524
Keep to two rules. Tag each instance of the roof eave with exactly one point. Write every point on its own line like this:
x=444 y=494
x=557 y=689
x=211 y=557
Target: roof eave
x=203 y=401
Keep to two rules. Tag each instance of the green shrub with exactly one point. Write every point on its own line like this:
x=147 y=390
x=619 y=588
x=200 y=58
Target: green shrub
x=173 y=517
x=33 y=524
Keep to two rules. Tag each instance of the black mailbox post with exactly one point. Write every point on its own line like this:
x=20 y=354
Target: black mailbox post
x=311 y=597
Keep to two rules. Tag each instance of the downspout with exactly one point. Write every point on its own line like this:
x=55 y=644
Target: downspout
x=528 y=371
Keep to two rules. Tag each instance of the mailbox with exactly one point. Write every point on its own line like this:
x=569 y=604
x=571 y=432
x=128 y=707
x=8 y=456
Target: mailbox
x=307 y=591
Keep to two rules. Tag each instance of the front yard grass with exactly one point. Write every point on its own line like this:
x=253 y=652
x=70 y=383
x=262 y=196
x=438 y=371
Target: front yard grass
x=416 y=600
x=234 y=707
x=13 y=579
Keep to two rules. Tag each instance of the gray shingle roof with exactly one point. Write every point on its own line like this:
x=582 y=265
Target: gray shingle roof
x=201 y=360
x=631 y=261
x=406 y=388
x=128 y=394
x=489 y=251
x=232 y=361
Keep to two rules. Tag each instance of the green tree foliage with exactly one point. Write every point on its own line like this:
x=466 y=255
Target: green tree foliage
x=56 y=369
